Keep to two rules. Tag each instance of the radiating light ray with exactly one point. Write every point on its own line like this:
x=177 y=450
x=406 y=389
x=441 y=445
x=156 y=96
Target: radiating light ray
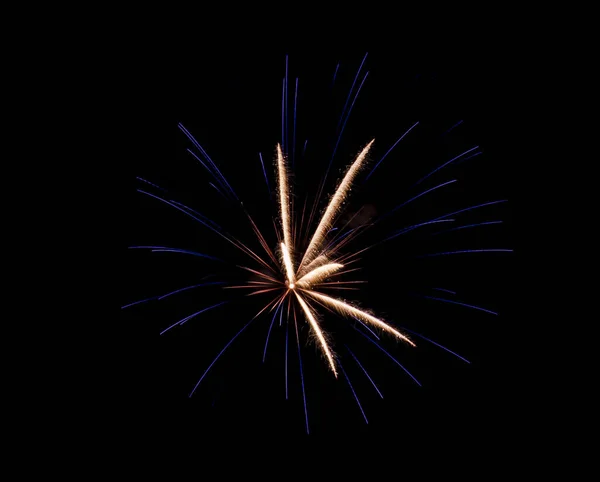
x=301 y=377
x=216 y=177
x=335 y=73
x=437 y=344
x=236 y=287
x=353 y=392
x=294 y=125
x=367 y=328
x=171 y=293
x=236 y=243
x=467 y=226
x=348 y=310
x=267 y=306
x=264 y=172
x=262 y=291
x=333 y=207
x=458 y=303
x=217 y=189
x=364 y=370
x=152 y=184
x=219 y=355
x=472 y=207
x=351 y=87
x=443 y=289
x=138 y=302
x=261 y=238
x=283 y=113
x=445 y=164
x=454 y=126
x=203 y=152
x=342 y=120
x=344 y=240
x=200 y=215
x=390 y=150
x=189 y=317
x=337 y=143
x=464 y=159
x=419 y=195
x=281 y=315
x=339 y=288
x=410 y=228
x=258 y=273
x=388 y=354
x=176 y=250
x=317 y=330
x=269 y=332
x=318 y=274
x=414 y=226
x=342 y=282
x=214 y=283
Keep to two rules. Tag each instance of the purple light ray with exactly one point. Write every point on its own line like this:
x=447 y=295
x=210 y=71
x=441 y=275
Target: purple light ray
x=302 y=377
x=219 y=355
x=182 y=321
x=458 y=303
x=468 y=226
x=353 y=392
x=364 y=370
x=396 y=361
x=445 y=164
x=390 y=150
x=436 y=344
x=269 y=333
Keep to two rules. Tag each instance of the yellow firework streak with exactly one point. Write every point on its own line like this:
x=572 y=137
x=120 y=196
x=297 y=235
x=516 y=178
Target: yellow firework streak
x=284 y=202
x=318 y=261
x=349 y=310
x=287 y=263
x=318 y=274
x=315 y=266
x=333 y=207
x=318 y=332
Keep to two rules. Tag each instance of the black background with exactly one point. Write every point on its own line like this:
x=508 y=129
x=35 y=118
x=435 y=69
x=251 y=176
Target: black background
x=231 y=103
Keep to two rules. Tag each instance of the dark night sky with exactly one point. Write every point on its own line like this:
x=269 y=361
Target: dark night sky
x=232 y=105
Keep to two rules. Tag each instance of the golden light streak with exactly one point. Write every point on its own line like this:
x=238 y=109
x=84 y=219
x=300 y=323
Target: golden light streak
x=318 y=261
x=287 y=261
x=284 y=201
x=318 y=274
x=348 y=310
x=318 y=332
x=326 y=221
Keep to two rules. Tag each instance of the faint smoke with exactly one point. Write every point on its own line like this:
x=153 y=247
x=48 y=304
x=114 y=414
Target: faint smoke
x=364 y=216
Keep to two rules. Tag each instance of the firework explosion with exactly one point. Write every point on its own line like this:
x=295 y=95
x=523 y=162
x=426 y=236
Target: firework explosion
x=292 y=278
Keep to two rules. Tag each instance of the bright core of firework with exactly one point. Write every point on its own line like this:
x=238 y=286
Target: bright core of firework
x=317 y=263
